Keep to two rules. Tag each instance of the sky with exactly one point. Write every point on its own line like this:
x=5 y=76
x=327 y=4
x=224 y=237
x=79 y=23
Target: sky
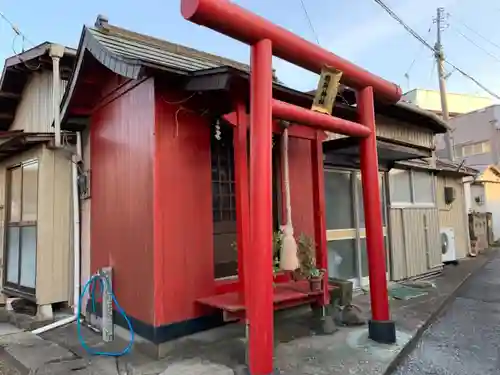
x=359 y=30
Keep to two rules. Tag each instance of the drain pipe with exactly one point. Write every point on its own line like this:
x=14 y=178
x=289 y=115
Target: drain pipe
x=56 y=52
x=77 y=158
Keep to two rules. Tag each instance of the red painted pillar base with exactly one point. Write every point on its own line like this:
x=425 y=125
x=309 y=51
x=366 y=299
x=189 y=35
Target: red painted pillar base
x=244 y=370
x=381 y=328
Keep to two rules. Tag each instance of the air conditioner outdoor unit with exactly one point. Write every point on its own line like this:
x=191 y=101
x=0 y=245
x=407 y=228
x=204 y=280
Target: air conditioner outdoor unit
x=448 y=250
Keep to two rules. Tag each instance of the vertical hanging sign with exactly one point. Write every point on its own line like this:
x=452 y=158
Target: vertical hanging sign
x=326 y=93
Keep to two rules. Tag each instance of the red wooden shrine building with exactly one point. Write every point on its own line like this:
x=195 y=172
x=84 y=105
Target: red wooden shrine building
x=166 y=132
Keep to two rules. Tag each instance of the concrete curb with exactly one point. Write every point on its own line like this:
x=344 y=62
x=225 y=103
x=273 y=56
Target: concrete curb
x=412 y=343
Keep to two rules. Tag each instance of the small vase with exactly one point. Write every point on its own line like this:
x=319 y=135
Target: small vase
x=316 y=284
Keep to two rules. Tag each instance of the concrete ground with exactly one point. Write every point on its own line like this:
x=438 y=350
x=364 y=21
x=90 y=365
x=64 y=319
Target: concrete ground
x=466 y=338
x=298 y=349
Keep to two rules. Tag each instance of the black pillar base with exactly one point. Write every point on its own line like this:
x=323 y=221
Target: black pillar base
x=383 y=332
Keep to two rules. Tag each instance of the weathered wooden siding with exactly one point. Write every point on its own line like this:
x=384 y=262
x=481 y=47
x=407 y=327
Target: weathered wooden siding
x=391 y=129
x=454 y=215
x=415 y=242
x=34 y=112
x=394 y=130
x=53 y=279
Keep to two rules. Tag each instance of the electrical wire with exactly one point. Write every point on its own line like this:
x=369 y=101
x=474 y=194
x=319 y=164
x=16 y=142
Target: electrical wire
x=19 y=56
x=417 y=56
x=18 y=32
x=105 y=285
x=402 y=23
x=313 y=30
x=479 y=84
x=432 y=71
x=15 y=28
x=476 y=45
x=182 y=101
x=426 y=44
x=311 y=26
x=486 y=39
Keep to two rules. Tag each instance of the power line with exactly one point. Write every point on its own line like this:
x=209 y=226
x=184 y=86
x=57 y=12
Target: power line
x=477 y=33
x=419 y=52
x=473 y=80
x=476 y=45
x=426 y=44
x=402 y=23
x=311 y=26
x=16 y=29
x=431 y=75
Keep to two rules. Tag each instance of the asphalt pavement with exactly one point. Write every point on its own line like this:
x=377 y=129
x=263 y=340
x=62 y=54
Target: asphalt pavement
x=466 y=338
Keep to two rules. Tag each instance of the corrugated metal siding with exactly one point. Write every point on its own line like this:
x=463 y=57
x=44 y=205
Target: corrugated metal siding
x=415 y=242
x=122 y=138
x=454 y=215
x=34 y=113
x=390 y=129
x=53 y=279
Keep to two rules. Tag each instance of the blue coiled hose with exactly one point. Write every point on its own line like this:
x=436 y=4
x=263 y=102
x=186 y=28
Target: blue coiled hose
x=92 y=283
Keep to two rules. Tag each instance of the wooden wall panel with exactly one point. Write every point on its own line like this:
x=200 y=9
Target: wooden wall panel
x=184 y=264
x=122 y=137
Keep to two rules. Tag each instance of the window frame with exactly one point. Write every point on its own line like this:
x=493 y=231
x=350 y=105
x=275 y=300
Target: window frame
x=484 y=145
x=357 y=233
x=18 y=288
x=227 y=226
x=413 y=202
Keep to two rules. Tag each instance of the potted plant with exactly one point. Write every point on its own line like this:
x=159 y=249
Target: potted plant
x=277 y=244
x=306 y=249
x=316 y=279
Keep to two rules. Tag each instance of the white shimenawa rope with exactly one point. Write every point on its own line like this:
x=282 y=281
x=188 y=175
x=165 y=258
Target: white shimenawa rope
x=288 y=259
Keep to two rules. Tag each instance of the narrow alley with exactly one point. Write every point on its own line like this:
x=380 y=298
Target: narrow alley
x=466 y=338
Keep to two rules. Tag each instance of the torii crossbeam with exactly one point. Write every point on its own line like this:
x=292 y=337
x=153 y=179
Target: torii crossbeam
x=266 y=40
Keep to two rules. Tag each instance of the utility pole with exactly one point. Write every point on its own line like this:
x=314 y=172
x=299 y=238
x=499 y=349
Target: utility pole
x=439 y=54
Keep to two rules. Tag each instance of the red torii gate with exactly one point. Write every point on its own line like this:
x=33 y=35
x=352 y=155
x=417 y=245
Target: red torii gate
x=267 y=39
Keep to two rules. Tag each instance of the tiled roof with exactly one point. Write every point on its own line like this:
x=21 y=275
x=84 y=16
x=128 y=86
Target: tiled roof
x=157 y=52
x=442 y=165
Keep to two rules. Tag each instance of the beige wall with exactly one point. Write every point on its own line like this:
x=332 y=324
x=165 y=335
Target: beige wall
x=414 y=241
x=491 y=182
x=53 y=279
x=35 y=112
x=457 y=103
x=454 y=215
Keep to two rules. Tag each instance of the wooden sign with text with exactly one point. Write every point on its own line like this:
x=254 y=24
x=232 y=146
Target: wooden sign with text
x=326 y=93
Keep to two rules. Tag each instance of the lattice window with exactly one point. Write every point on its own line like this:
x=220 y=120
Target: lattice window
x=223 y=182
